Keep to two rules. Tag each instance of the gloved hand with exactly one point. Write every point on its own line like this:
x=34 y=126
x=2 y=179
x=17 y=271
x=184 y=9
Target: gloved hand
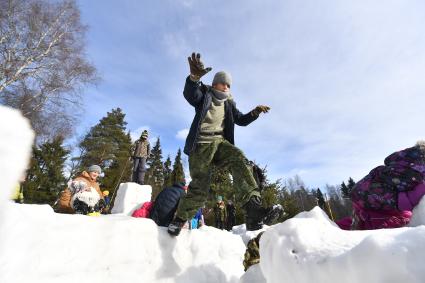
x=260 y=109
x=197 y=69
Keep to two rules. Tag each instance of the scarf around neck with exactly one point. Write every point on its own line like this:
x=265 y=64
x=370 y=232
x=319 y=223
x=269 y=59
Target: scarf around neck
x=221 y=95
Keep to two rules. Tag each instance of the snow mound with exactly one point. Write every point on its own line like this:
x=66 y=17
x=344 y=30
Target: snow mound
x=111 y=248
x=418 y=217
x=131 y=196
x=311 y=248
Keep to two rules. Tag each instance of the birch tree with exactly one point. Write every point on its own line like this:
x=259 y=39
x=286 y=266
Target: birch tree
x=43 y=65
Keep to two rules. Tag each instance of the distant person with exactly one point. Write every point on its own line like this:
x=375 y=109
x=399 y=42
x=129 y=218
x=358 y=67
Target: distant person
x=165 y=204
x=231 y=215
x=386 y=197
x=140 y=155
x=83 y=195
x=107 y=201
x=198 y=220
x=220 y=213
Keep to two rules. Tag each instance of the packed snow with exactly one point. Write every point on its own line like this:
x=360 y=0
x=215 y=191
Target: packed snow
x=38 y=245
x=311 y=248
x=113 y=248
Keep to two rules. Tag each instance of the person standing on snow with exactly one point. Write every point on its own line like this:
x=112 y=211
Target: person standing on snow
x=211 y=141
x=220 y=213
x=140 y=155
x=231 y=215
x=83 y=194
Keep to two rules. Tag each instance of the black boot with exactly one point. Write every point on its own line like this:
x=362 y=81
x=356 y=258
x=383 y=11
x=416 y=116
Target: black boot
x=176 y=226
x=255 y=214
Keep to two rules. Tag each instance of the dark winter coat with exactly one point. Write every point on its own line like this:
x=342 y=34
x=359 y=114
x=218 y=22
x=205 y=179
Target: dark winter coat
x=199 y=96
x=165 y=205
x=231 y=210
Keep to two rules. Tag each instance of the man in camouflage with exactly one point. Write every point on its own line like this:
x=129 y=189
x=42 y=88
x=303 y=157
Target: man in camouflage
x=141 y=153
x=211 y=141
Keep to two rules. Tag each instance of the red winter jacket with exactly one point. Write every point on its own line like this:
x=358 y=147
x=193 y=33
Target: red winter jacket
x=144 y=211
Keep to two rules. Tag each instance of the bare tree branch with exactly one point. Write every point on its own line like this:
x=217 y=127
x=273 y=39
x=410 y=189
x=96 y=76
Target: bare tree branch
x=42 y=61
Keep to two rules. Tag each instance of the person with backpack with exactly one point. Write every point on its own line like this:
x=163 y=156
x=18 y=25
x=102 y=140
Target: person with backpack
x=211 y=142
x=386 y=197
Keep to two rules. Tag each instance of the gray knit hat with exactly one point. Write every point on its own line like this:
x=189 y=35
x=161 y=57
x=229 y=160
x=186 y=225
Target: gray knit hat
x=94 y=168
x=144 y=134
x=222 y=77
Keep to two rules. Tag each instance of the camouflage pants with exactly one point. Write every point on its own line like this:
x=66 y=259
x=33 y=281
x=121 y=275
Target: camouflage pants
x=221 y=153
x=252 y=253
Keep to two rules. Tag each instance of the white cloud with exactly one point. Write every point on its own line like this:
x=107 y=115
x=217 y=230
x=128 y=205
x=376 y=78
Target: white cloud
x=182 y=134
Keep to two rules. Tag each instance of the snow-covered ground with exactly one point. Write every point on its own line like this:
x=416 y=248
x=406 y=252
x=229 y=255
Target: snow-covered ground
x=38 y=245
x=52 y=247
x=311 y=248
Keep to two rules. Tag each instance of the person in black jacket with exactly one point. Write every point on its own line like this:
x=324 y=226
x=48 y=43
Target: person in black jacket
x=165 y=204
x=211 y=142
x=231 y=215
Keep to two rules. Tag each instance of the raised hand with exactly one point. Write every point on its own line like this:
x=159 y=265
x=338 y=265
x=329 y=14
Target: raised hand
x=197 y=69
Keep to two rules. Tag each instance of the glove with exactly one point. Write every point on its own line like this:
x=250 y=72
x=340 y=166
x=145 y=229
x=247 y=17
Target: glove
x=260 y=109
x=197 y=69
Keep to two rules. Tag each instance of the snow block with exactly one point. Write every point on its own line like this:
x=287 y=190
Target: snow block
x=15 y=150
x=131 y=196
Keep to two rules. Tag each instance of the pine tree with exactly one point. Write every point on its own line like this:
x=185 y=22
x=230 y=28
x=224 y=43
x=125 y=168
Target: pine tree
x=346 y=189
x=350 y=185
x=167 y=172
x=155 y=174
x=108 y=145
x=45 y=178
x=320 y=199
x=289 y=203
x=177 y=175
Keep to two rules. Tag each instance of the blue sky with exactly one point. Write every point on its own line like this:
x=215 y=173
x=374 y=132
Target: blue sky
x=344 y=79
